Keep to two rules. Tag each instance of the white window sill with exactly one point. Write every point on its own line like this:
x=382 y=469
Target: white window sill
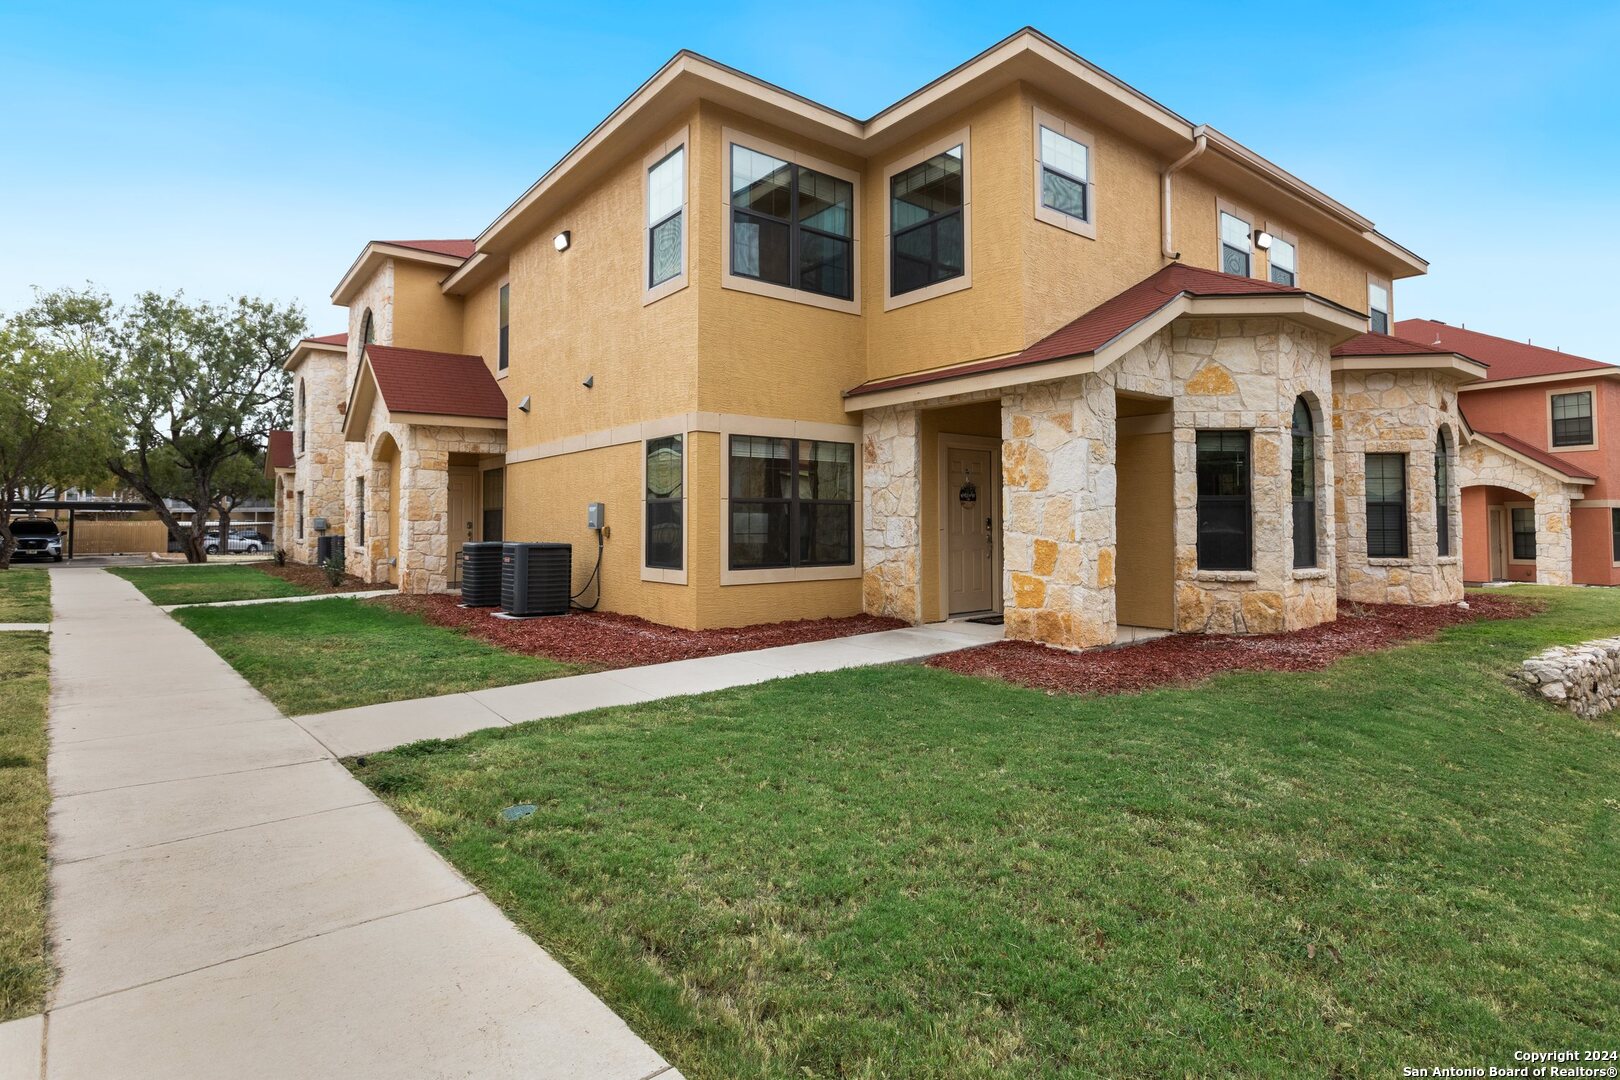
x=1233 y=576
x=1311 y=573
x=1447 y=560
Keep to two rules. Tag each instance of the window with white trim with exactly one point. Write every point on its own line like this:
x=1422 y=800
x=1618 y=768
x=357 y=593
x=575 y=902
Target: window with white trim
x=1523 y=519
x=666 y=227
x=1572 y=418
x=1237 y=252
x=792 y=502
x=927 y=232
x=666 y=502
x=1378 y=307
x=1284 y=261
x=791 y=225
x=1065 y=174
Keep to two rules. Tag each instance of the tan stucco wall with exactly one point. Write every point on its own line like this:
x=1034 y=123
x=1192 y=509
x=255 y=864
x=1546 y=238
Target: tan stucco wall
x=424 y=316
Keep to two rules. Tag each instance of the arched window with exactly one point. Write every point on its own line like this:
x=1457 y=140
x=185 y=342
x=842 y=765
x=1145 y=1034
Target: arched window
x=302 y=413
x=1304 y=485
x=368 y=334
x=1442 y=492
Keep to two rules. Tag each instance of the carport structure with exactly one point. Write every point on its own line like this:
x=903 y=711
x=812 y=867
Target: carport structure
x=72 y=506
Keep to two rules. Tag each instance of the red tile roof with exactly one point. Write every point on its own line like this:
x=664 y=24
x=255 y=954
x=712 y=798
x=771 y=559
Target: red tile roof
x=1536 y=453
x=1507 y=359
x=461 y=249
x=1370 y=344
x=329 y=339
x=447 y=384
x=1105 y=322
x=279 y=454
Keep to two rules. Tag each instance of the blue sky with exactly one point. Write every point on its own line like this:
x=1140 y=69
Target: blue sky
x=253 y=148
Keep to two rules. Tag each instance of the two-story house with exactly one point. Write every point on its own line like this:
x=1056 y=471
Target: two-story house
x=1025 y=342
x=1540 y=473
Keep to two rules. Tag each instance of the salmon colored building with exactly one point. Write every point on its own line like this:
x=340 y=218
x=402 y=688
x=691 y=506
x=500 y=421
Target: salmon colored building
x=1541 y=468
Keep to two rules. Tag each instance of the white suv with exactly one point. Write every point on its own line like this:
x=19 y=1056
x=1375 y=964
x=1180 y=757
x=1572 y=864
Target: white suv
x=240 y=543
x=37 y=538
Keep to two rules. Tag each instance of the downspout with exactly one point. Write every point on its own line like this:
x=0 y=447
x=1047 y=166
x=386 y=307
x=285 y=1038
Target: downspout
x=1200 y=144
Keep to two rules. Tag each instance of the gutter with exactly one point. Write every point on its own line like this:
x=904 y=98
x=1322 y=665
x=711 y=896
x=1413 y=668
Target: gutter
x=1200 y=144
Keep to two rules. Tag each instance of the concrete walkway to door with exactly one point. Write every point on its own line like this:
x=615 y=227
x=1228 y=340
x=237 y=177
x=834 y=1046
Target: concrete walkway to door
x=228 y=901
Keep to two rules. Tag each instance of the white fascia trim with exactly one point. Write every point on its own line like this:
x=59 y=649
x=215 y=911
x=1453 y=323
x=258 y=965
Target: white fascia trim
x=1470 y=371
x=1561 y=376
x=374 y=251
x=1524 y=459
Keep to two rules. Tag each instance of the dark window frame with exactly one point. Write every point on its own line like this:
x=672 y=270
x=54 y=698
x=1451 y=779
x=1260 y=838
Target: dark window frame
x=1383 y=549
x=1614 y=528
x=795 y=227
x=654 y=226
x=504 y=319
x=1246 y=252
x=303 y=416
x=1584 y=427
x=932 y=223
x=1442 y=493
x=360 y=512
x=1211 y=504
x=1515 y=533
x=1288 y=276
x=1302 y=475
x=1083 y=181
x=300 y=510
x=794 y=505
x=670 y=505
x=1378 y=317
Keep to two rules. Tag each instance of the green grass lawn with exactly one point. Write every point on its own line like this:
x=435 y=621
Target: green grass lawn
x=334 y=654
x=165 y=585
x=25 y=596
x=24 y=683
x=900 y=871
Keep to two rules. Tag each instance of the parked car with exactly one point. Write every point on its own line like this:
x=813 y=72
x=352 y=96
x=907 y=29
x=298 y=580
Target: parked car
x=240 y=543
x=37 y=538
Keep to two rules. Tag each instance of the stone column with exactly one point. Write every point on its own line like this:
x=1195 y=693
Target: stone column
x=1554 y=550
x=891 y=536
x=424 y=489
x=1058 y=480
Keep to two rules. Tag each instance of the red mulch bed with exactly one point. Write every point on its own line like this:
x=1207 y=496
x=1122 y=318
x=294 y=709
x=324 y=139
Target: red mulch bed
x=606 y=640
x=313 y=578
x=1189 y=658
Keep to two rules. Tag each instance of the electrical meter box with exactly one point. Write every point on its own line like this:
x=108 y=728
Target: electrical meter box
x=595 y=514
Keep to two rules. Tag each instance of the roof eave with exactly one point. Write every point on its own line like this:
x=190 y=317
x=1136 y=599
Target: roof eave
x=374 y=252
x=1581 y=374
x=1526 y=459
x=1466 y=369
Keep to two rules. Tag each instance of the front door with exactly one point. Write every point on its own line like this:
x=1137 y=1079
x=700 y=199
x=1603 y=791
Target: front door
x=970 y=533
x=1498 y=542
x=463 y=516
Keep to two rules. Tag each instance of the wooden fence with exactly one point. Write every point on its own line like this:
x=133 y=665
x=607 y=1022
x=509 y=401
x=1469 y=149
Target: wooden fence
x=118 y=537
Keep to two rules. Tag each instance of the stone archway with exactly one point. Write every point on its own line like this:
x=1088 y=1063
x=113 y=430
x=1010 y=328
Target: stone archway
x=1483 y=464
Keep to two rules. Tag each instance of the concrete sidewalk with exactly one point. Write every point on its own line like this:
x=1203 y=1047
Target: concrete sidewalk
x=228 y=901
x=373 y=728
x=365 y=594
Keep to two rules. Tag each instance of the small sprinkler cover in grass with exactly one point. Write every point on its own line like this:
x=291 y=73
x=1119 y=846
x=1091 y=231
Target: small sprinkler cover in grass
x=521 y=810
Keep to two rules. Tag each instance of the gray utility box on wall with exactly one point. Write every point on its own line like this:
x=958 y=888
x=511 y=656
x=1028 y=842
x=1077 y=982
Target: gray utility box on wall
x=535 y=578
x=481 y=574
x=328 y=546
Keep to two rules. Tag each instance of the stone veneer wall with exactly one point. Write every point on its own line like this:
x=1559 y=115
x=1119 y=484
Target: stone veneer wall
x=378 y=298
x=1396 y=412
x=320 y=471
x=1584 y=678
x=891 y=542
x=1479 y=464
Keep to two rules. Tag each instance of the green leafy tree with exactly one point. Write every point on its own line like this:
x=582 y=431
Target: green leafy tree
x=237 y=481
x=197 y=386
x=54 y=430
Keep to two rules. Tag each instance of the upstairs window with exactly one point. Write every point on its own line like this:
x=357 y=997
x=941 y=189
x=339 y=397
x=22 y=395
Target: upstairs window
x=1524 y=533
x=1065 y=174
x=1237 y=257
x=1225 y=540
x=1386 y=506
x=792 y=502
x=791 y=225
x=1304 y=485
x=927 y=234
x=303 y=415
x=666 y=495
x=666 y=201
x=1284 y=261
x=1572 y=419
x=504 y=352
x=1442 y=492
x=1378 y=307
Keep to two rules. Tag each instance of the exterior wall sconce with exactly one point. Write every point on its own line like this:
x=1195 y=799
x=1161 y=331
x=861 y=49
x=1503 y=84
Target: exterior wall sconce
x=1262 y=240
x=562 y=240
x=523 y=406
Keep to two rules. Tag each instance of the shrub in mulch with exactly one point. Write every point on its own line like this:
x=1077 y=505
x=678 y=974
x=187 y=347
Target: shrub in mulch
x=1189 y=658
x=314 y=579
x=605 y=640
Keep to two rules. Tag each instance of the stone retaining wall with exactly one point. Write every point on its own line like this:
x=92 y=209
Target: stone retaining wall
x=1583 y=678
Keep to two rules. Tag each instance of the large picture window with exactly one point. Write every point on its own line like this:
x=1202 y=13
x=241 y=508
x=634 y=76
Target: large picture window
x=1386 y=506
x=666 y=502
x=1442 y=493
x=927 y=234
x=1572 y=419
x=791 y=225
x=792 y=502
x=1225 y=540
x=1524 y=533
x=666 y=199
x=1304 y=485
